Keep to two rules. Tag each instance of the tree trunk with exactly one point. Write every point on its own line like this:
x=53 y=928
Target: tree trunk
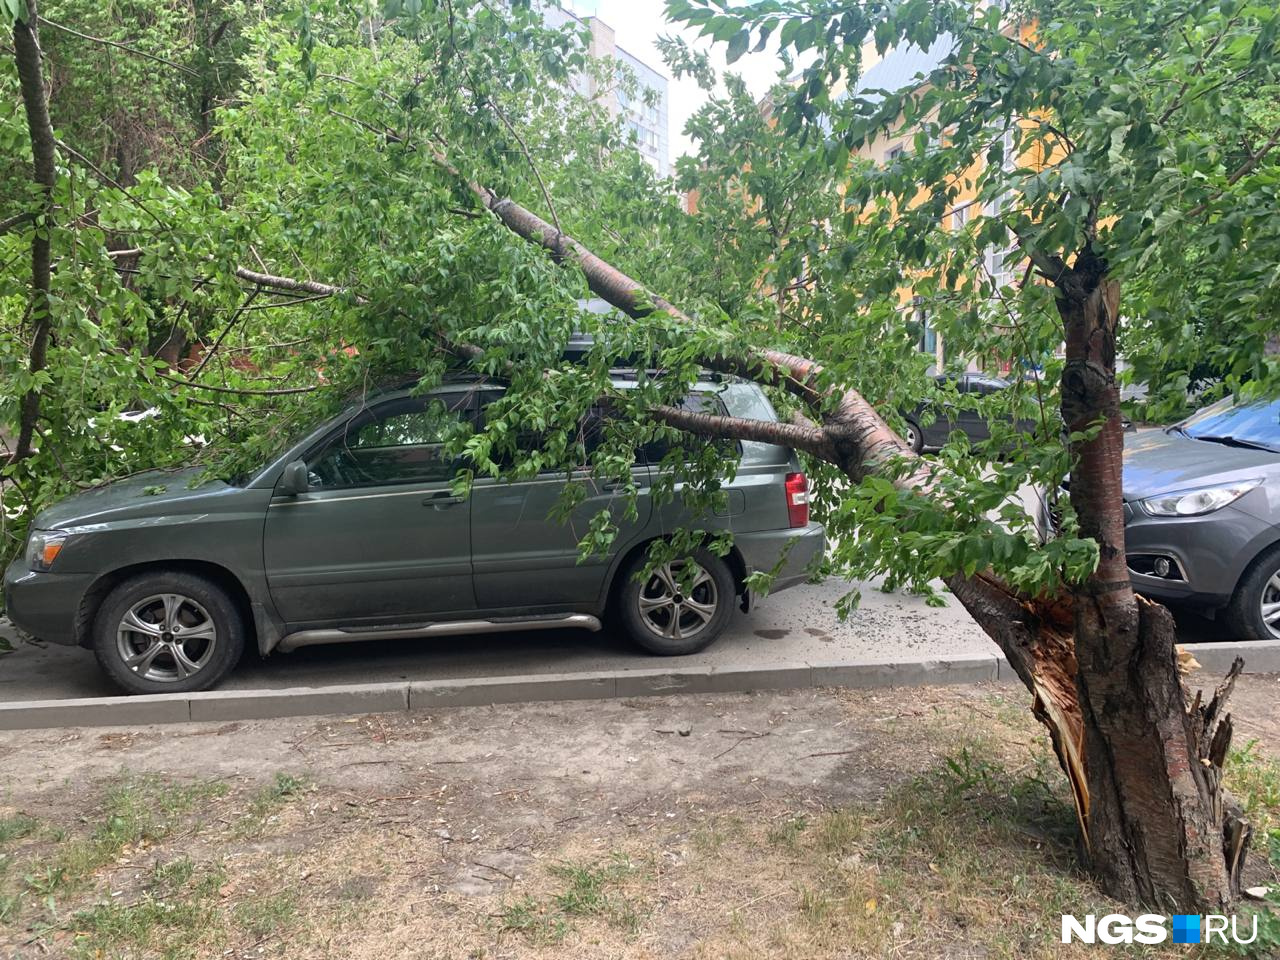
x=26 y=47
x=1155 y=825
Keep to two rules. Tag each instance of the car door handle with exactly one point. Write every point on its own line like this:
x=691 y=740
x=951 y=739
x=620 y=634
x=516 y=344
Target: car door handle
x=441 y=498
x=614 y=485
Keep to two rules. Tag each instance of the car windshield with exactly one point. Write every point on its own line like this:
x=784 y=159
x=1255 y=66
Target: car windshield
x=1252 y=424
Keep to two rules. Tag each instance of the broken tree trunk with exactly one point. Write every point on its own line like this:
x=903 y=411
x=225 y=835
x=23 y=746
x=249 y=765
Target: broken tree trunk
x=1159 y=829
x=1145 y=771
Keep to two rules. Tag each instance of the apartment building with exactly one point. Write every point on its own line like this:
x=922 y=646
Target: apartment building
x=645 y=116
x=903 y=68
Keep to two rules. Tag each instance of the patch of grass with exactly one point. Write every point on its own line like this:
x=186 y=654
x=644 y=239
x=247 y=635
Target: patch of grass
x=838 y=832
x=927 y=864
x=711 y=836
x=265 y=804
x=590 y=891
x=137 y=811
x=816 y=906
x=586 y=892
x=10 y=904
x=541 y=926
x=46 y=880
x=176 y=914
x=787 y=834
x=177 y=927
x=16 y=827
x=259 y=916
x=174 y=874
x=1255 y=782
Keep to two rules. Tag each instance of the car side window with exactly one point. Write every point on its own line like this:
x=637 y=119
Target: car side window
x=655 y=450
x=985 y=386
x=398 y=442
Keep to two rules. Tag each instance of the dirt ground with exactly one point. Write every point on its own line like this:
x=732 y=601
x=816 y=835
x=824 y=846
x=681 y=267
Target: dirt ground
x=929 y=822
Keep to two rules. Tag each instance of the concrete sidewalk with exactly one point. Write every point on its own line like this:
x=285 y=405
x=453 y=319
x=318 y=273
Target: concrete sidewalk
x=795 y=626
x=793 y=640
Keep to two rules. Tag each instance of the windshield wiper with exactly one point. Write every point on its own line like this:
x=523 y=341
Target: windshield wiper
x=1229 y=441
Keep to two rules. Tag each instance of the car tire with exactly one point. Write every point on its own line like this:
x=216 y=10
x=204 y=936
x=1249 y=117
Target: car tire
x=914 y=437
x=168 y=633
x=659 y=618
x=1258 y=588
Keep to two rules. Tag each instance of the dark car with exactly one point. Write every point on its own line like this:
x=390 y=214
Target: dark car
x=934 y=419
x=356 y=533
x=1202 y=511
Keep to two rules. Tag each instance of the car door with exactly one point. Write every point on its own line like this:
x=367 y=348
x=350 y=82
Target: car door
x=525 y=557
x=379 y=536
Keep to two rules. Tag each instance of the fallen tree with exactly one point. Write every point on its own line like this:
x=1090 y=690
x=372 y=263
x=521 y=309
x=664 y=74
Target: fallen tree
x=1145 y=770
x=1144 y=765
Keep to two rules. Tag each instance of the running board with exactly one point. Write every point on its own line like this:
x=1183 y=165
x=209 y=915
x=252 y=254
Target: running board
x=311 y=638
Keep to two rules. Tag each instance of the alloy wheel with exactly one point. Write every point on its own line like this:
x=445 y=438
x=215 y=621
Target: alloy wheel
x=672 y=611
x=1271 y=604
x=166 y=638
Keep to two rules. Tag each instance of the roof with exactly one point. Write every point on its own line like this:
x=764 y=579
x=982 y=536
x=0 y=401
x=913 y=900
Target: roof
x=904 y=67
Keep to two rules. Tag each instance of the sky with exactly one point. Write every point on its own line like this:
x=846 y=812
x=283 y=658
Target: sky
x=637 y=24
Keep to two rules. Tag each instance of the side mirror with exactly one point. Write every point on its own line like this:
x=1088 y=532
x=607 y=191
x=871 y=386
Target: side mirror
x=293 y=480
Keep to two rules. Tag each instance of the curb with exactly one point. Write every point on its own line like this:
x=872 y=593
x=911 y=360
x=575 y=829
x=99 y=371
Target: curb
x=224 y=705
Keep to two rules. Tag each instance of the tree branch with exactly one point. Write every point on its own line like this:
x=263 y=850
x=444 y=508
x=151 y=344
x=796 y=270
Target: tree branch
x=278 y=392
x=15 y=221
x=235 y=317
x=1254 y=159
x=121 y=46
x=810 y=439
x=1051 y=266
x=289 y=283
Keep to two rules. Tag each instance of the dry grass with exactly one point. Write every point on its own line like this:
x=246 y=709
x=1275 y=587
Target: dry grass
x=965 y=851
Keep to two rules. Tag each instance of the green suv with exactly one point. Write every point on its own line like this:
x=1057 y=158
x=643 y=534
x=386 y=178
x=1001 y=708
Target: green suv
x=355 y=533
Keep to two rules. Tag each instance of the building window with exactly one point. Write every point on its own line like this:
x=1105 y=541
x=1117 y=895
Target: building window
x=894 y=153
x=928 y=342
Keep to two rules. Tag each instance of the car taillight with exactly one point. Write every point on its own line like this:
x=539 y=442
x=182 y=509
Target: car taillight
x=797 y=486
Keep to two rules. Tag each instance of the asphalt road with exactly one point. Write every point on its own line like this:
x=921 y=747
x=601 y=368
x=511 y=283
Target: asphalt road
x=794 y=627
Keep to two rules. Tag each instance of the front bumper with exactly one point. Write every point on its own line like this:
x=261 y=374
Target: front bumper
x=798 y=548
x=1211 y=552
x=44 y=605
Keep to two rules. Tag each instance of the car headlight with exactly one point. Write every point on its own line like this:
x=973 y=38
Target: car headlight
x=43 y=547
x=1195 y=503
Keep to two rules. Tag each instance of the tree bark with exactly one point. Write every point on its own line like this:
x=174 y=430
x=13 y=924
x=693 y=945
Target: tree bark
x=1157 y=827
x=26 y=47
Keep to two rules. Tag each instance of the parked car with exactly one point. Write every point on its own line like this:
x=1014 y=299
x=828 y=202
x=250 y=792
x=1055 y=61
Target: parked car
x=1202 y=512
x=947 y=417
x=354 y=533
